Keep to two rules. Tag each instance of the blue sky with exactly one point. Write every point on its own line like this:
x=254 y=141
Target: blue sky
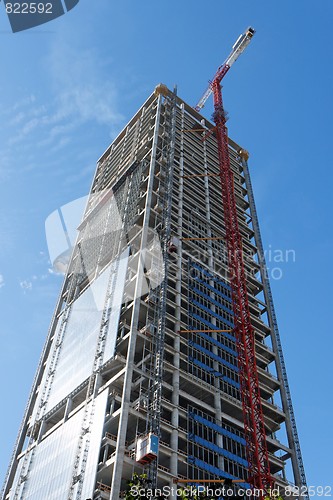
x=68 y=87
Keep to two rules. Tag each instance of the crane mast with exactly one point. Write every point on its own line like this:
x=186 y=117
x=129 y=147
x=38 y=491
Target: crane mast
x=259 y=475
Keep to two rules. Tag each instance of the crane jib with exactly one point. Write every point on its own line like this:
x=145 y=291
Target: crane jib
x=237 y=49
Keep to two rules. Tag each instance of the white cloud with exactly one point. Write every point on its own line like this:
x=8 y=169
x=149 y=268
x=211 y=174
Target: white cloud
x=83 y=87
x=26 y=285
x=2 y=281
x=18 y=118
x=8 y=231
x=80 y=92
x=24 y=102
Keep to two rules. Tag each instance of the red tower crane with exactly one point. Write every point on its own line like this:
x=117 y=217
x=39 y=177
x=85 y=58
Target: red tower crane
x=256 y=447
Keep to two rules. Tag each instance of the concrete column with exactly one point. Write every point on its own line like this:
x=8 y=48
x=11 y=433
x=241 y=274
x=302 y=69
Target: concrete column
x=98 y=383
x=176 y=359
x=126 y=396
x=68 y=409
x=41 y=430
x=217 y=394
x=105 y=454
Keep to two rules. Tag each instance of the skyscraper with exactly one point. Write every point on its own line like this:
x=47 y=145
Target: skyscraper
x=139 y=371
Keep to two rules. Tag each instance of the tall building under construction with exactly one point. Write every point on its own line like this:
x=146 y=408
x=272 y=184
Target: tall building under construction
x=140 y=371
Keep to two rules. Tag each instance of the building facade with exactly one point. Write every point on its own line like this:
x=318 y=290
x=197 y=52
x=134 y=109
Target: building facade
x=139 y=371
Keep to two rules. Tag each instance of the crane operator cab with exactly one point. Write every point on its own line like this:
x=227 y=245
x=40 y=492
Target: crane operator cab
x=250 y=32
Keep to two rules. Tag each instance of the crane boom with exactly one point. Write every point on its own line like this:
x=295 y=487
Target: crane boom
x=259 y=475
x=254 y=428
x=237 y=49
